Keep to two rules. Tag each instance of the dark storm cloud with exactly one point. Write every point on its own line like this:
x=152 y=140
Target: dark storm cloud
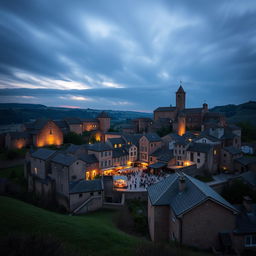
x=127 y=54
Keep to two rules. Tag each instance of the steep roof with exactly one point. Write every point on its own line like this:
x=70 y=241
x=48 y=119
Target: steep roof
x=43 y=153
x=180 y=90
x=90 y=159
x=152 y=137
x=83 y=186
x=18 y=135
x=114 y=141
x=73 y=120
x=166 y=192
x=199 y=147
x=72 y=148
x=98 y=147
x=64 y=159
x=232 y=150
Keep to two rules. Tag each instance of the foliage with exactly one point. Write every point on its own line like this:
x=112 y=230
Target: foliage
x=112 y=129
x=164 y=131
x=248 y=131
x=73 y=138
x=12 y=154
x=15 y=174
x=235 y=192
x=92 y=139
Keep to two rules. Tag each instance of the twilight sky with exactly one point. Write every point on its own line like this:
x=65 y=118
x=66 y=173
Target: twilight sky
x=127 y=54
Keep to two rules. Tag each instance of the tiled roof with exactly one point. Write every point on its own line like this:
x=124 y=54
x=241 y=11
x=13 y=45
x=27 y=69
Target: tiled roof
x=199 y=147
x=181 y=141
x=61 y=124
x=245 y=160
x=119 y=152
x=209 y=137
x=164 y=109
x=84 y=186
x=43 y=153
x=98 y=147
x=64 y=159
x=133 y=138
x=72 y=148
x=232 y=150
x=89 y=120
x=249 y=177
x=116 y=141
x=90 y=159
x=166 y=192
x=152 y=137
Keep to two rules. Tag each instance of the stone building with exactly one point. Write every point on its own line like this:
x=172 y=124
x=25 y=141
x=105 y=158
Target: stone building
x=148 y=143
x=184 y=209
x=181 y=117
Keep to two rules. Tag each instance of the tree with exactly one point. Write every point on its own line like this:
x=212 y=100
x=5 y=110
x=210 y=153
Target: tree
x=73 y=138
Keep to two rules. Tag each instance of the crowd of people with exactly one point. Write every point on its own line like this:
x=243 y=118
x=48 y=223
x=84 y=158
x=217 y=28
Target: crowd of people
x=141 y=179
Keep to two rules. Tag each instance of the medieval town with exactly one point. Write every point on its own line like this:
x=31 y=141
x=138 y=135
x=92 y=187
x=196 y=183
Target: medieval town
x=180 y=175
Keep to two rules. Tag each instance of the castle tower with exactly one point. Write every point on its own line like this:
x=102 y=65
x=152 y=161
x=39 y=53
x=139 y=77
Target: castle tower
x=104 y=121
x=181 y=124
x=180 y=99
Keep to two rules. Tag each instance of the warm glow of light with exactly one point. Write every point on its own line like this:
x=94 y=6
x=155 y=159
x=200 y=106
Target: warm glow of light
x=186 y=163
x=97 y=137
x=189 y=139
x=144 y=164
x=20 y=143
x=215 y=152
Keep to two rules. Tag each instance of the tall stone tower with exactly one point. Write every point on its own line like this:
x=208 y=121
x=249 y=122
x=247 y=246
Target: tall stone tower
x=180 y=99
x=181 y=124
x=104 y=121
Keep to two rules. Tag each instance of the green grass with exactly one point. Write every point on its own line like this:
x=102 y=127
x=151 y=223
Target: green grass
x=91 y=234
x=94 y=233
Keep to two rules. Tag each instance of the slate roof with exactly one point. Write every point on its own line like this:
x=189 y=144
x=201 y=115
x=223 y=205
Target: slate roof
x=209 y=137
x=165 y=109
x=83 y=186
x=173 y=136
x=72 y=148
x=152 y=137
x=249 y=177
x=244 y=160
x=90 y=159
x=43 y=153
x=133 y=138
x=181 y=89
x=119 y=152
x=199 y=147
x=163 y=154
x=232 y=150
x=166 y=192
x=99 y=147
x=64 y=159
x=116 y=141
x=181 y=141
x=40 y=123
x=228 y=135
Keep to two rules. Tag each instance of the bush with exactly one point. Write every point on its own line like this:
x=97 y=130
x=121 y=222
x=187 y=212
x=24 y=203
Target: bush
x=73 y=138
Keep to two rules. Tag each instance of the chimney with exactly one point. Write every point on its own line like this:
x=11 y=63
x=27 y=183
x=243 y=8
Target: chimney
x=247 y=203
x=182 y=183
x=205 y=107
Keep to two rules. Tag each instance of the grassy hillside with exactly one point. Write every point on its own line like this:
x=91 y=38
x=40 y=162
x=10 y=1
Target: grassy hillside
x=245 y=112
x=94 y=233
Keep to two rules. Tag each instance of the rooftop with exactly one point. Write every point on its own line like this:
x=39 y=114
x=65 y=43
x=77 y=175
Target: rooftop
x=83 y=186
x=43 y=153
x=232 y=150
x=64 y=159
x=166 y=192
x=98 y=147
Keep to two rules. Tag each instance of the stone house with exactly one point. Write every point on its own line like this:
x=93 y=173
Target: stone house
x=103 y=153
x=75 y=125
x=183 y=209
x=91 y=165
x=228 y=155
x=204 y=156
x=17 y=140
x=132 y=152
x=180 y=148
x=148 y=143
x=120 y=157
x=245 y=163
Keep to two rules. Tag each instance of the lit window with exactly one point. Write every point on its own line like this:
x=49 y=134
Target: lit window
x=35 y=170
x=215 y=152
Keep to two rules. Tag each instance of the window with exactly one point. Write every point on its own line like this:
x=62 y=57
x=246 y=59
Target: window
x=215 y=152
x=77 y=163
x=250 y=241
x=224 y=155
x=198 y=153
x=198 y=160
x=101 y=154
x=106 y=163
x=109 y=162
x=80 y=195
x=91 y=194
x=99 y=193
x=106 y=153
x=51 y=131
x=73 y=177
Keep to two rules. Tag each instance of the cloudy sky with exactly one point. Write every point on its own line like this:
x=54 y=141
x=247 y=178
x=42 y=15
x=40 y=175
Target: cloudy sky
x=127 y=55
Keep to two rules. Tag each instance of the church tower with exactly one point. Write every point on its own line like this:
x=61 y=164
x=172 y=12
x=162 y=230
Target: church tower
x=180 y=99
